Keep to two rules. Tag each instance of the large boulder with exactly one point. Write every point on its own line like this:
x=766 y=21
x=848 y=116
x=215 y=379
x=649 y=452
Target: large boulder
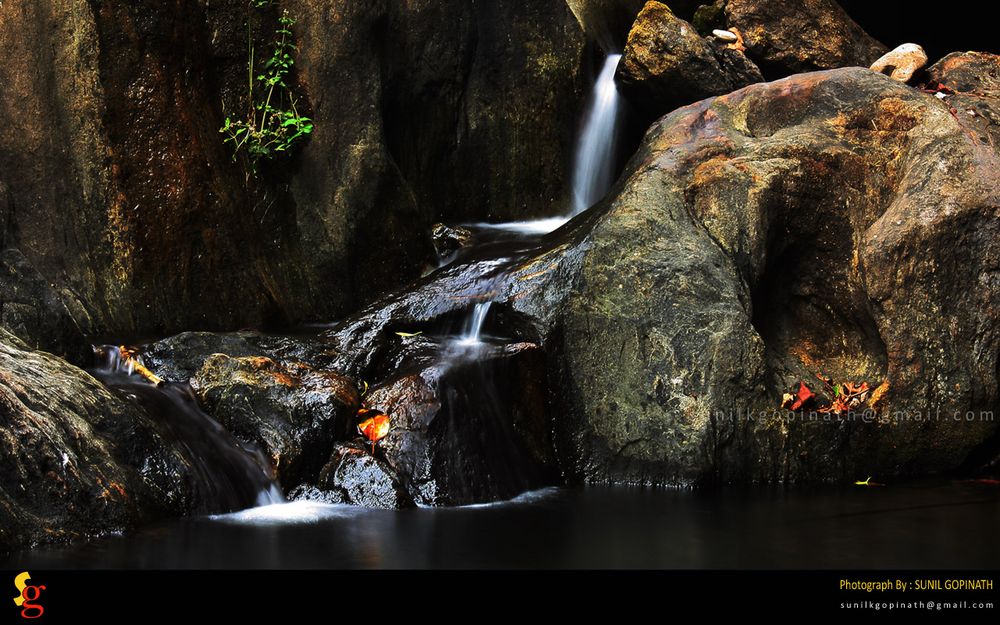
x=75 y=459
x=668 y=64
x=833 y=224
x=789 y=36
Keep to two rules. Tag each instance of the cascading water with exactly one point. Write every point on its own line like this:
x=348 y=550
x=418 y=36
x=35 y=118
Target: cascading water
x=226 y=475
x=594 y=160
x=594 y=169
x=478 y=373
x=593 y=175
x=474 y=324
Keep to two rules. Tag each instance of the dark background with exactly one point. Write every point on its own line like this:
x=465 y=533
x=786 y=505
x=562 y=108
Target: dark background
x=941 y=27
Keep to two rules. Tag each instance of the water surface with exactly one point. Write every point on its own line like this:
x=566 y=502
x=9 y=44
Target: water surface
x=927 y=525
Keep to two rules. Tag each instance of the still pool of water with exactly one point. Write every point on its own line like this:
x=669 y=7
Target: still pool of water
x=928 y=525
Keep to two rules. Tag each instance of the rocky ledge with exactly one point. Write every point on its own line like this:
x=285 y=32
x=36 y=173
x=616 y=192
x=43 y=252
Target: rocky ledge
x=809 y=237
x=833 y=227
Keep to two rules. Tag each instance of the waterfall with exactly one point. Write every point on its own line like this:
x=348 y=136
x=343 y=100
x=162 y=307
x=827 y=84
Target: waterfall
x=594 y=161
x=226 y=475
x=594 y=168
x=474 y=324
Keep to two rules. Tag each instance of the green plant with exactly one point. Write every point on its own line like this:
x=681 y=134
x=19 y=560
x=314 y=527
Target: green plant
x=272 y=124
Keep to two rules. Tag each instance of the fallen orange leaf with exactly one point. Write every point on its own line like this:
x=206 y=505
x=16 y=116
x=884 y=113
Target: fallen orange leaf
x=802 y=396
x=375 y=427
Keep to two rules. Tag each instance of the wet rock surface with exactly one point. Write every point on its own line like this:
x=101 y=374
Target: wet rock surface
x=789 y=36
x=667 y=63
x=289 y=410
x=354 y=476
x=77 y=460
x=471 y=429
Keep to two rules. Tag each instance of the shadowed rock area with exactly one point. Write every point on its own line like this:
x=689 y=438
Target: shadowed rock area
x=122 y=196
x=77 y=460
x=789 y=36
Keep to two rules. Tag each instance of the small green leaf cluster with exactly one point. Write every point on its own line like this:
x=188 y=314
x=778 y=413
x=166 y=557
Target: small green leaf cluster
x=272 y=124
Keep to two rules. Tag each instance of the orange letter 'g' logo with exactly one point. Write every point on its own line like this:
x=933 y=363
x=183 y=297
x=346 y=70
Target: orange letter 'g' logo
x=28 y=594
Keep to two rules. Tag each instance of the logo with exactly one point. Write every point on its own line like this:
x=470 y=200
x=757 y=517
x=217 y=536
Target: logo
x=26 y=595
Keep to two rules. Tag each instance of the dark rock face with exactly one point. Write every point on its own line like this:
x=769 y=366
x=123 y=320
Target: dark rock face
x=124 y=199
x=289 y=410
x=668 y=64
x=34 y=312
x=467 y=431
x=122 y=194
x=788 y=36
x=969 y=74
x=606 y=21
x=76 y=459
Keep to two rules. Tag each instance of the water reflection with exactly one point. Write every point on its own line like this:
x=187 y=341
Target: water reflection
x=940 y=525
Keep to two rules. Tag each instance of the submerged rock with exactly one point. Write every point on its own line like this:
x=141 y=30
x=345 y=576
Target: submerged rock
x=789 y=36
x=667 y=63
x=901 y=62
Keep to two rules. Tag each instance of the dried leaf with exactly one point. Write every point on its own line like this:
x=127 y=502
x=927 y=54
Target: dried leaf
x=802 y=396
x=853 y=389
x=375 y=426
x=131 y=357
x=409 y=334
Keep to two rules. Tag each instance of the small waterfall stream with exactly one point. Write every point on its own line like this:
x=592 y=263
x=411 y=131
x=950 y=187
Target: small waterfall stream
x=473 y=327
x=229 y=476
x=594 y=167
x=226 y=475
x=594 y=164
x=476 y=392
